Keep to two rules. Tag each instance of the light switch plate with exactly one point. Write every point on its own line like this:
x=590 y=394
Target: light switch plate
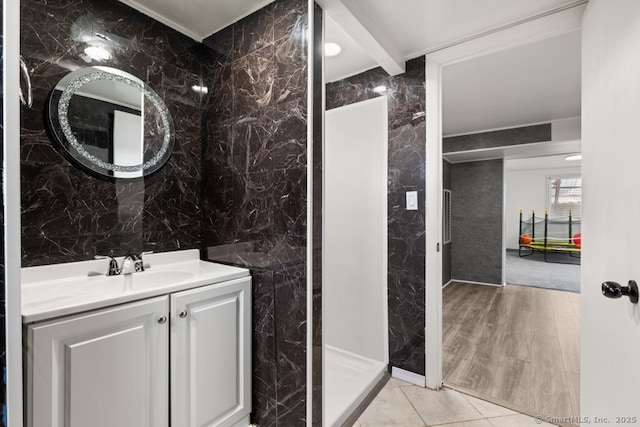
x=412 y=200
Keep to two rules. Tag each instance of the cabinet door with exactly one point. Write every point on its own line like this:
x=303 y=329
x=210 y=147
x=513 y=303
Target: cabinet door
x=211 y=355
x=101 y=369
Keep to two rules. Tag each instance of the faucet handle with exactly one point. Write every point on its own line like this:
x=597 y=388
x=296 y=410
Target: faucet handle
x=113 y=265
x=145 y=265
x=138 y=265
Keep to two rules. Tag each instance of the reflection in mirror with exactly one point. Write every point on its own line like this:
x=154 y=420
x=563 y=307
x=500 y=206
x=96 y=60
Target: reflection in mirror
x=110 y=122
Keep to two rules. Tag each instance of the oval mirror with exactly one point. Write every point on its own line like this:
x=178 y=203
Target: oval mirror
x=111 y=123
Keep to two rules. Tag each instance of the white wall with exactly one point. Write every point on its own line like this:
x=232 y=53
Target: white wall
x=355 y=229
x=610 y=328
x=526 y=190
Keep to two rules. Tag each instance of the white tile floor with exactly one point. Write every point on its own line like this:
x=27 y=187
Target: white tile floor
x=403 y=404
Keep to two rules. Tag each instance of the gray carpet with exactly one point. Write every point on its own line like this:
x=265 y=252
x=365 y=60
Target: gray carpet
x=534 y=271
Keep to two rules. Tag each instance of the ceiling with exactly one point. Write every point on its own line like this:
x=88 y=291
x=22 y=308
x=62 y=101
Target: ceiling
x=197 y=19
x=352 y=60
x=415 y=27
x=513 y=82
x=534 y=83
x=508 y=86
x=548 y=162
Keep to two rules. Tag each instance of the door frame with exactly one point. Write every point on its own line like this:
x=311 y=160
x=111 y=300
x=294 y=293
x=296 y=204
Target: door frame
x=11 y=193
x=510 y=36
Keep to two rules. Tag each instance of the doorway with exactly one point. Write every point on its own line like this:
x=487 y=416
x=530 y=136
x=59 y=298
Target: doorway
x=543 y=222
x=515 y=345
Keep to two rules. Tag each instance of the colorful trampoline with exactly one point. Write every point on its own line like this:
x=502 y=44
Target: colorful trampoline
x=546 y=235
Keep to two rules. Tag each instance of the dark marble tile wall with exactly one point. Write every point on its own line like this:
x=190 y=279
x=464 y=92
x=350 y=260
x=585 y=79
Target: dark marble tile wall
x=477 y=213
x=446 y=247
x=254 y=190
x=279 y=345
x=498 y=138
x=406 y=95
x=68 y=215
x=237 y=175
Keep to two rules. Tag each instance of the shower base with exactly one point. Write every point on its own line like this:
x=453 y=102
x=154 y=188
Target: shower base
x=349 y=378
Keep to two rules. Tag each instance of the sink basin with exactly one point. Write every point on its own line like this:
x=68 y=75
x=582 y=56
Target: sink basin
x=61 y=289
x=138 y=281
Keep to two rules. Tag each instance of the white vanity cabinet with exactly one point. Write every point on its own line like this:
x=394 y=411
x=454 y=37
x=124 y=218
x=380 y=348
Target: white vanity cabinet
x=211 y=355
x=101 y=369
x=179 y=360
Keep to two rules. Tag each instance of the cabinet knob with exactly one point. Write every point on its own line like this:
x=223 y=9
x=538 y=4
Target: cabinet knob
x=183 y=314
x=162 y=320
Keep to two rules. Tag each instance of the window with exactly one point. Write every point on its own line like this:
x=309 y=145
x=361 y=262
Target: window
x=565 y=195
x=446 y=217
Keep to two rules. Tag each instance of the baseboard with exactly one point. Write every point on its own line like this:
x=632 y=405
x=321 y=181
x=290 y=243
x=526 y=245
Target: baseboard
x=478 y=283
x=447 y=284
x=408 y=376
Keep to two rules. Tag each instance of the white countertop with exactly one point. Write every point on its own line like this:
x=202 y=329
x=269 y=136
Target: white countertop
x=60 y=289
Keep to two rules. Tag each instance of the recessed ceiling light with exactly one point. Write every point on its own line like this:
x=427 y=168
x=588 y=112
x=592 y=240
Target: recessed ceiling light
x=380 y=89
x=98 y=53
x=332 y=49
x=573 y=157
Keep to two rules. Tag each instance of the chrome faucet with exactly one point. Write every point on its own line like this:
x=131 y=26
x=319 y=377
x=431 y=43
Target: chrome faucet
x=113 y=265
x=132 y=263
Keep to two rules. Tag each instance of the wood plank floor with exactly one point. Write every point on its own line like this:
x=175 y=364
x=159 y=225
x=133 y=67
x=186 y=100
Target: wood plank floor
x=516 y=345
